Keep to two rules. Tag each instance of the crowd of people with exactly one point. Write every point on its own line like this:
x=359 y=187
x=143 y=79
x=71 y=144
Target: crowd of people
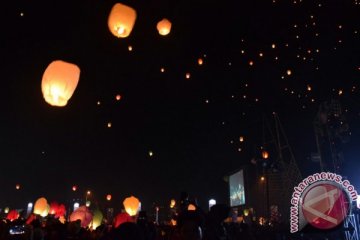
x=187 y=225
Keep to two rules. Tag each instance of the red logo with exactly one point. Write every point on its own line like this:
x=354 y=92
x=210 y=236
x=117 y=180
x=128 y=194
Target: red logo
x=325 y=206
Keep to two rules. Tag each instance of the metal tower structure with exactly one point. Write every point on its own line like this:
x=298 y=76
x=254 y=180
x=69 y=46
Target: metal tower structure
x=331 y=132
x=281 y=170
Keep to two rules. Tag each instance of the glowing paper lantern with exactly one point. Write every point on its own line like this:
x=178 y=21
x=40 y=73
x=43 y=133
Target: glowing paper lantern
x=121 y=20
x=131 y=205
x=200 y=61
x=288 y=72
x=61 y=211
x=265 y=154
x=74 y=188
x=108 y=197
x=53 y=208
x=241 y=139
x=59 y=82
x=6 y=210
x=41 y=206
x=17 y=186
x=46 y=211
x=122 y=218
x=246 y=212
x=191 y=207
x=172 y=203
x=12 y=215
x=164 y=27
x=118 y=97
x=97 y=219
x=83 y=214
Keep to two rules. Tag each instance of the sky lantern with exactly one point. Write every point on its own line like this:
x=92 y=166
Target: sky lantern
x=118 y=97
x=187 y=75
x=12 y=215
x=41 y=206
x=74 y=188
x=122 y=218
x=46 y=211
x=172 y=203
x=265 y=154
x=108 y=197
x=241 y=139
x=53 y=208
x=132 y=205
x=191 y=207
x=288 y=72
x=121 y=20
x=59 y=82
x=17 y=186
x=200 y=61
x=164 y=27
x=83 y=214
x=97 y=219
x=6 y=210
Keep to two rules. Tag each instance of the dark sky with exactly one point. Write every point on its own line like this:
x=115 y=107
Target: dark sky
x=192 y=126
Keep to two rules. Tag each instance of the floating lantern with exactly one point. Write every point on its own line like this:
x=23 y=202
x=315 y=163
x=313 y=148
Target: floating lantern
x=17 y=186
x=41 y=206
x=6 y=210
x=97 y=219
x=74 y=188
x=246 y=212
x=265 y=154
x=59 y=82
x=187 y=75
x=200 y=61
x=191 y=207
x=82 y=214
x=12 y=215
x=172 y=203
x=121 y=20
x=164 y=27
x=288 y=72
x=122 y=218
x=132 y=205
x=118 y=97
x=130 y=48
x=108 y=197
x=241 y=139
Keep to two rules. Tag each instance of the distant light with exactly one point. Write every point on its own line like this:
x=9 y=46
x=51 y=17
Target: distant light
x=30 y=205
x=200 y=61
x=241 y=139
x=98 y=102
x=273 y=46
x=261 y=54
x=109 y=125
x=21 y=14
x=88 y=192
x=191 y=207
x=151 y=153
x=130 y=48
x=262 y=178
x=88 y=203
x=162 y=69
x=108 y=197
x=76 y=206
x=6 y=210
x=288 y=72
x=251 y=63
x=17 y=186
x=187 y=75
x=212 y=202
x=118 y=97
x=74 y=188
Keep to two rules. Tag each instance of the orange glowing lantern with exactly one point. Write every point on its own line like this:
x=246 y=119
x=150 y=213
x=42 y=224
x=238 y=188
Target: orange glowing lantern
x=41 y=207
x=200 y=61
x=191 y=207
x=122 y=218
x=74 y=188
x=17 y=186
x=108 y=197
x=118 y=97
x=59 y=82
x=83 y=214
x=288 y=72
x=265 y=154
x=187 y=75
x=172 y=203
x=132 y=205
x=164 y=27
x=121 y=20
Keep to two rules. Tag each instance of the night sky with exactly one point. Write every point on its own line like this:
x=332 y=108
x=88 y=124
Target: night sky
x=259 y=57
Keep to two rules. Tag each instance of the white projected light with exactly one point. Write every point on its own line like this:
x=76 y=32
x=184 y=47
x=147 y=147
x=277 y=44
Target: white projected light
x=237 y=189
x=212 y=202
